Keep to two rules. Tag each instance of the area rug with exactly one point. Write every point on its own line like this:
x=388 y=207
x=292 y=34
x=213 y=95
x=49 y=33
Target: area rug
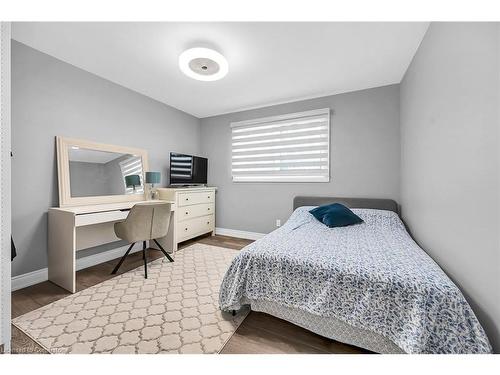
x=175 y=310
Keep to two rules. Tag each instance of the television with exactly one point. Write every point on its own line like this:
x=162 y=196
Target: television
x=187 y=169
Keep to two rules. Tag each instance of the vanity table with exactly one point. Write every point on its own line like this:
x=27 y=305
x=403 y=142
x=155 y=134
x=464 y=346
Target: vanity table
x=72 y=229
x=93 y=196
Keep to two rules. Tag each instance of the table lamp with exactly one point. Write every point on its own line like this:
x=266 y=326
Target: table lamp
x=153 y=178
x=133 y=180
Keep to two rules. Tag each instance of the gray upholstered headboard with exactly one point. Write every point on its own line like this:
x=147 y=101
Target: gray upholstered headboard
x=381 y=204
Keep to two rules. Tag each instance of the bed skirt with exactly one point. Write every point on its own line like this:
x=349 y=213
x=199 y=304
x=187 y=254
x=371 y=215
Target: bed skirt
x=328 y=327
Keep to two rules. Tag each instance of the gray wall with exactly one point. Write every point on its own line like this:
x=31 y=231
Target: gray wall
x=450 y=159
x=364 y=155
x=50 y=98
x=90 y=179
x=116 y=183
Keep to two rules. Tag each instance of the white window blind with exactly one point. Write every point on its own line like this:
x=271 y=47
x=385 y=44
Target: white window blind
x=131 y=166
x=286 y=148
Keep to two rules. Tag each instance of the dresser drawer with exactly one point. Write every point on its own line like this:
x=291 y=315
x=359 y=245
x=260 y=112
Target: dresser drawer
x=189 y=198
x=194 y=227
x=197 y=210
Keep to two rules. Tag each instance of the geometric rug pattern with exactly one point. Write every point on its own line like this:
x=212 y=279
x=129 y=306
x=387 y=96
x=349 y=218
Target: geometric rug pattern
x=175 y=310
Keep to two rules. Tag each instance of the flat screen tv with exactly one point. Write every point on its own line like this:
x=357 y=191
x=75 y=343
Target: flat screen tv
x=187 y=169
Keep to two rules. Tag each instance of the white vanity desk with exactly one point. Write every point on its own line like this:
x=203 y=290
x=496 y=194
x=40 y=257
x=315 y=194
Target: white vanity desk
x=98 y=185
x=81 y=227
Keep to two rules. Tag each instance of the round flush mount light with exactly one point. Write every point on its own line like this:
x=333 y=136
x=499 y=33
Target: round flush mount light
x=203 y=64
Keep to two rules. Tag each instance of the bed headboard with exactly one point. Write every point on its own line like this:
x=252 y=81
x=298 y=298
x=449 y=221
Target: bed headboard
x=380 y=204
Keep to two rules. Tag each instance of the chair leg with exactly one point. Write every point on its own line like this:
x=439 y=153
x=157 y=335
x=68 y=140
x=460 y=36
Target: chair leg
x=145 y=260
x=122 y=259
x=163 y=251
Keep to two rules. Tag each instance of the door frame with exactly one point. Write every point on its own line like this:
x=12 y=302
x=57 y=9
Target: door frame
x=5 y=186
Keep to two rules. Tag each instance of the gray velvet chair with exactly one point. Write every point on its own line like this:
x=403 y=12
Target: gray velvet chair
x=145 y=222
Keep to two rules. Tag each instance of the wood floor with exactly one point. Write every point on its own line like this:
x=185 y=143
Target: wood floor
x=258 y=334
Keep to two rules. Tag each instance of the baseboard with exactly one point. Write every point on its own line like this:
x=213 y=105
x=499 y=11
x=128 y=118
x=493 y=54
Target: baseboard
x=39 y=276
x=30 y=278
x=105 y=256
x=239 y=233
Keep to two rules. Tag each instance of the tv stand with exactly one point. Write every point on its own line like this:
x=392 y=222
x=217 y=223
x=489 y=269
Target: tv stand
x=196 y=210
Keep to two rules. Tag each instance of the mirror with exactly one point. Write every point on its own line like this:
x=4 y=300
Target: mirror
x=95 y=173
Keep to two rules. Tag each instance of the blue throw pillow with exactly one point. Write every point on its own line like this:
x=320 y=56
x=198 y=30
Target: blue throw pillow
x=335 y=215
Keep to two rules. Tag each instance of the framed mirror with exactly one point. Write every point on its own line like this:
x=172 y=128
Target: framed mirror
x=95 y=173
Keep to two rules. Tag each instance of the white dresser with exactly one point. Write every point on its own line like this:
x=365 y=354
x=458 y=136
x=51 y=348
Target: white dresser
x=196 y=210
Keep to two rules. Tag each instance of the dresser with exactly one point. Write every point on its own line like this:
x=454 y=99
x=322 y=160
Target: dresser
x=195 y=210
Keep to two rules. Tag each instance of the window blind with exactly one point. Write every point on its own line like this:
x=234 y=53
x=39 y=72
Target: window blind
x=131 y=166
x=287 y=148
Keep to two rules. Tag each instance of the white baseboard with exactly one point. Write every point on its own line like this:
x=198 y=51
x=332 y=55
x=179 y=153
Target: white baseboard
x=105 y=256
x=30 y=278
x=38 y=276
x=239 y=233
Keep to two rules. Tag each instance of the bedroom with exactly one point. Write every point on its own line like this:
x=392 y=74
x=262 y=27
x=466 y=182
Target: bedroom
x=251 y=187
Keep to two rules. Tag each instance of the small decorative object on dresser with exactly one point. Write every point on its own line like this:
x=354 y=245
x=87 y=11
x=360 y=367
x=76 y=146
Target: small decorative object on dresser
x=196 y=215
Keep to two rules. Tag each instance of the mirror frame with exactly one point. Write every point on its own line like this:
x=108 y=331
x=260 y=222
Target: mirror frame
x=63 y=176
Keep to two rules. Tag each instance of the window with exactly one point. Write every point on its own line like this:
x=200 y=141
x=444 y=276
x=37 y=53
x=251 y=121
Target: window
x=287 y=148
x=131 y=166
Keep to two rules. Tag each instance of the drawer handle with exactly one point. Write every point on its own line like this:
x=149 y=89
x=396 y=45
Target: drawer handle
x=185 y=229
x=187 y=199
x=208 y=208
x=209 y=197
x=208 y=222
x=187 y=213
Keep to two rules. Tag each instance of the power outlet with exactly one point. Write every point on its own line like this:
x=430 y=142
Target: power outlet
x=278 y=223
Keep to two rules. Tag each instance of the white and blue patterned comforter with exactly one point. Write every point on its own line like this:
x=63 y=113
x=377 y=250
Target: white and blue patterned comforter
x=371 y=276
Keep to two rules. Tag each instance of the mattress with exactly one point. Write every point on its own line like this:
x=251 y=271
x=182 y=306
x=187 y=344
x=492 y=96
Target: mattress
x=371 y=276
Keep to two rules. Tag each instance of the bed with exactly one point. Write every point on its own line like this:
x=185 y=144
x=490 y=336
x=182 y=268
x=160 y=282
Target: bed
x=368 y=285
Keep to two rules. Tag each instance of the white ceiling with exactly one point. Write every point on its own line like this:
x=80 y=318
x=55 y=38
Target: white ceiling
x=269 y=63
x=92 y=156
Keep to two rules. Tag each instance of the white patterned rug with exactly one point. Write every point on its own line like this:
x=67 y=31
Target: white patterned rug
x=175 y=310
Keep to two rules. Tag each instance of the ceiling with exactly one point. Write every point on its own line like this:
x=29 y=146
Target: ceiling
x=92 y=156
x=269 y=63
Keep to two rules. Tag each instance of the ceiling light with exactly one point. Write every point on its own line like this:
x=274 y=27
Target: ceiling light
x=203 y=64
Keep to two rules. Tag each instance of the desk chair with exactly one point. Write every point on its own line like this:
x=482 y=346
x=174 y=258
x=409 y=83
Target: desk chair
x=145 y=222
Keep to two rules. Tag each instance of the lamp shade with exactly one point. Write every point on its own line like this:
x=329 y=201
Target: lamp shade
x=153 y=177
x=132 y=180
